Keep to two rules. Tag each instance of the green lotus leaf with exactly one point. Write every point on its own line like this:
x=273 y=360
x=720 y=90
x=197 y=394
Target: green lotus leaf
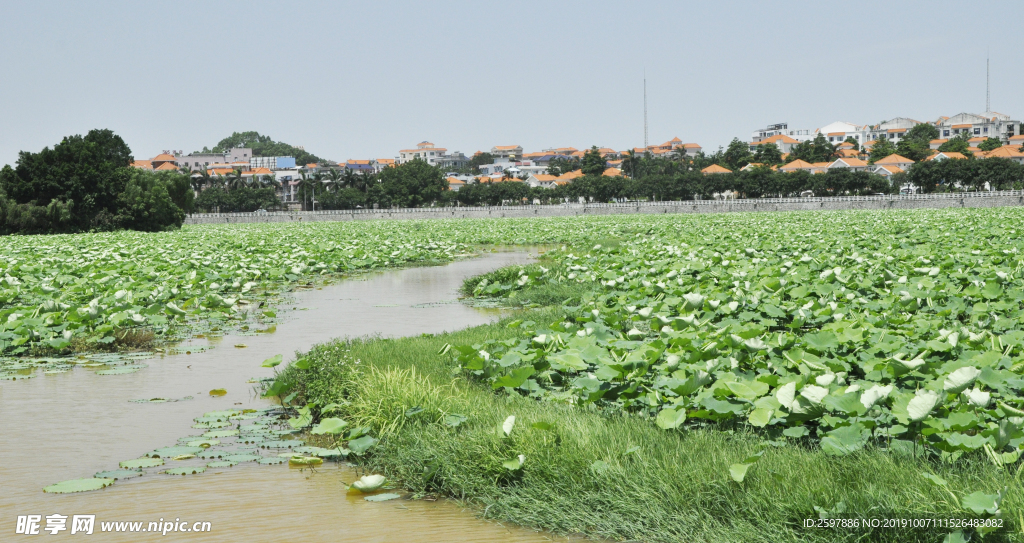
x=119 y=474
x=170 y=452
x=239 y=458
x=221 y=464
x=79 y=485
x=184 y=471
x=142 y=463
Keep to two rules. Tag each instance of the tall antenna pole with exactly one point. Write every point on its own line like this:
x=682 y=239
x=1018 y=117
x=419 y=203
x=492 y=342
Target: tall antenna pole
x=988 y=103
x=645 y=110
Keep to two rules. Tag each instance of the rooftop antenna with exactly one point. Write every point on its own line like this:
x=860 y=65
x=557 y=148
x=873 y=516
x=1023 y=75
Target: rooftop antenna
x=988 y=103
x=645 y=109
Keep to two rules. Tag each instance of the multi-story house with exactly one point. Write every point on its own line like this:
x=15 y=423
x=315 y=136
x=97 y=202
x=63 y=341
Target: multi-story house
x=986 y=125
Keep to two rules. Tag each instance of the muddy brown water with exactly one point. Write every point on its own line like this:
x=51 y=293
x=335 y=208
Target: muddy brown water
x=71 y=425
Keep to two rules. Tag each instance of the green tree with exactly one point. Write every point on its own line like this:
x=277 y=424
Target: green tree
x=593 y=163
x=913 y=149
x=990 y=144
x=881 y=149
x=958 y=144
x=559 y=166
x=86 y=173
x=737 y=155
x=146 y=203
x=816 y=150
x=412 y=184
x=263 y=146
x=768 y=154
x=480 y=159
x=922 y=132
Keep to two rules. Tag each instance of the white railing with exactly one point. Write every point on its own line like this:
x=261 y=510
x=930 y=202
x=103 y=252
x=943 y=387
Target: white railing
x=669 y=203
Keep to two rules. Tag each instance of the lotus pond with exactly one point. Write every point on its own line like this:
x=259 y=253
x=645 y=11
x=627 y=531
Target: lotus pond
x=894 y=331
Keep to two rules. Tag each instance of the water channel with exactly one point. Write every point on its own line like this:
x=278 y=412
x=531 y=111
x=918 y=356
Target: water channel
x=71 y=425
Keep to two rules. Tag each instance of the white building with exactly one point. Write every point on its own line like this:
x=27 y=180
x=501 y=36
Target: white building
x=781 y=129
x=424 y=151
x=985 y=125
x=838 y=131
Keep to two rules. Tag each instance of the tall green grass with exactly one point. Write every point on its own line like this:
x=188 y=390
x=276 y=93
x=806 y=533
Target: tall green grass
x=652 y=486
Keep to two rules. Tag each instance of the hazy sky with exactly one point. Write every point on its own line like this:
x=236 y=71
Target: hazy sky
x=365 y=79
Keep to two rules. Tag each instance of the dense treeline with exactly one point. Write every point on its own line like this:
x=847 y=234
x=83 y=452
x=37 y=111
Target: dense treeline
x=87 y=184
x=753 y=183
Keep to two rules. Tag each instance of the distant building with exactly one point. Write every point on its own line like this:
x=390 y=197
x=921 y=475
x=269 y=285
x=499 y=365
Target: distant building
x=272 y=162
x=781 y=129
x=199 y=161
x=985 y=125
x=508 y=151
x=424 y=151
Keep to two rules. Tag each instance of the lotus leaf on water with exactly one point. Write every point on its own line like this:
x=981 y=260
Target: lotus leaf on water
x=119 y=474
x=221 y=464
x=218 y=392
x=184 y=471
x=170 y=452
x=142 y=463
x=305 y=461
x=79 y=485
x=242 y=457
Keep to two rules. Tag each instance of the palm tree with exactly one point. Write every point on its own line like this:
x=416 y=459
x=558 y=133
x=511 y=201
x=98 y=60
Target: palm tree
x=334 y=179
x=235 y=180
x=200 y=180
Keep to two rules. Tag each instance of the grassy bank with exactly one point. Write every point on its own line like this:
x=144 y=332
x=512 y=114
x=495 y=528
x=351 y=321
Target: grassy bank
x=621 y=477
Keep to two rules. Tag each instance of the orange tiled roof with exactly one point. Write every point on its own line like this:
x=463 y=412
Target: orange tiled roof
x=163 y=157
x=1004 y=152
x=938 y=141
x=691 y=146
x=455 y=181
x=220 y=171
x=570 y=175
x=261 y=171
x=853 y=162
x=891 y=169
x=715 y=168
x=385 y=161
x=166 y=166
x=612 y=172
x=1019 y=137
x=544 y=177
x=959 y=126
x=977 y=139
x=797 y=164
x=893 y=159
x=144 y=164
x=947 y=155
x=506 y=147
x=775 y=139
x=357 y=162
x=896 y=130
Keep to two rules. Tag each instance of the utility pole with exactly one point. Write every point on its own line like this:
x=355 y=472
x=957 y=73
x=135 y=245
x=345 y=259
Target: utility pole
x=645 y=110
x=988 y=103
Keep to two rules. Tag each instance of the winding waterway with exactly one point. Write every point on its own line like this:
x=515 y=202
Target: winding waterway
x=71 y=425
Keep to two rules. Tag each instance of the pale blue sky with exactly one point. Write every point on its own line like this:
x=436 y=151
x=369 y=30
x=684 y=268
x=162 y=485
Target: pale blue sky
x=365 y=79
